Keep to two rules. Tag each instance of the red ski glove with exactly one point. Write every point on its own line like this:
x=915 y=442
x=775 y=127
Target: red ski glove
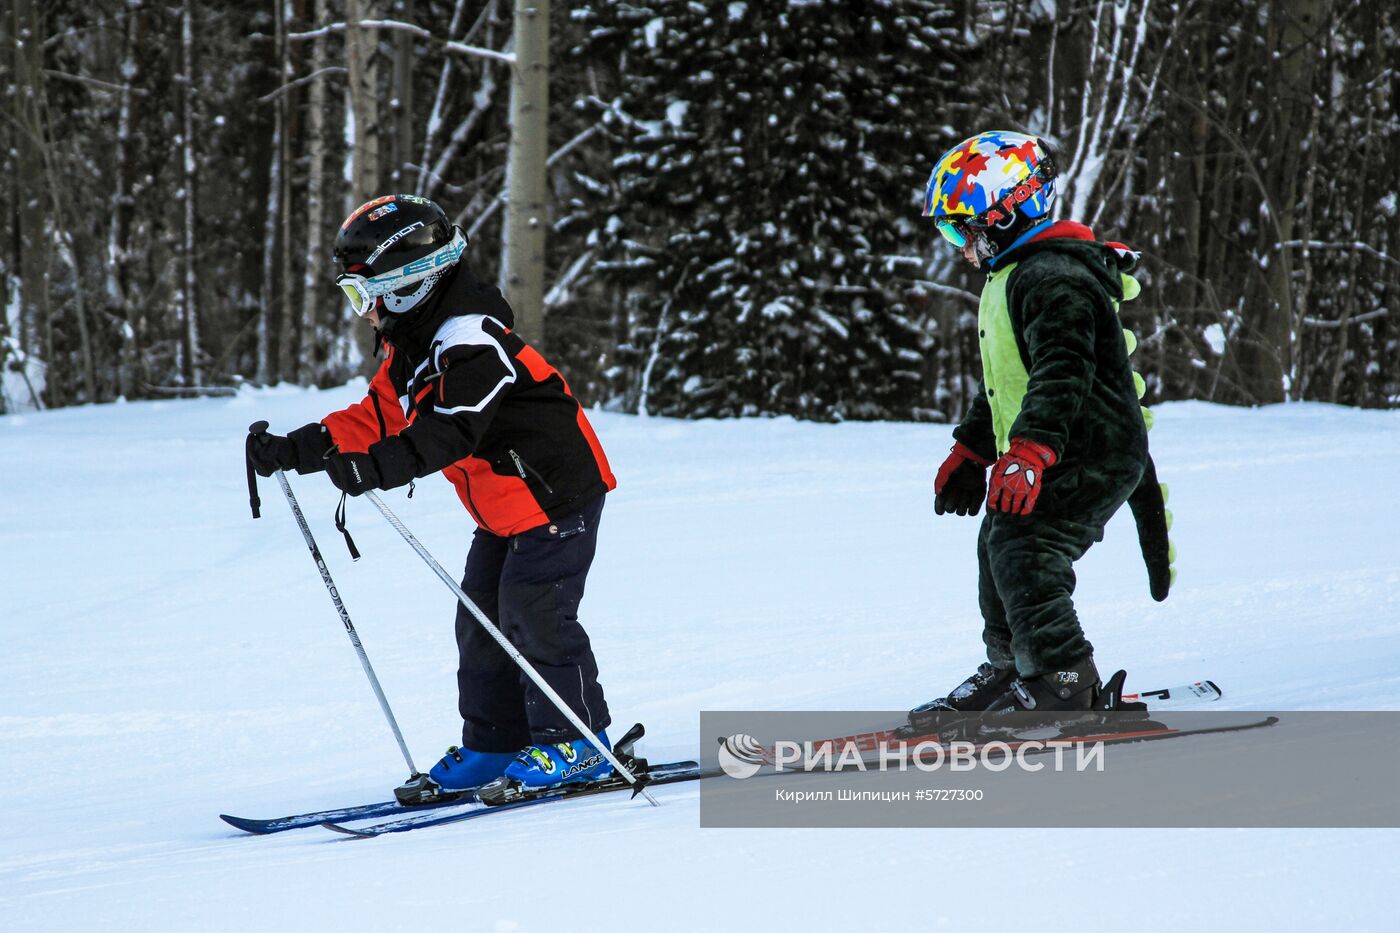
x=961 y=483
x=1018 y=476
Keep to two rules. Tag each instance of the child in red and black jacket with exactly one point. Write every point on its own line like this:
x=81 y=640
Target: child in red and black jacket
x=460 y=394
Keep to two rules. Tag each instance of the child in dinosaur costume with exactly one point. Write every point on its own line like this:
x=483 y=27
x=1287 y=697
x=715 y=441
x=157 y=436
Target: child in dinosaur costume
x=1057 y=419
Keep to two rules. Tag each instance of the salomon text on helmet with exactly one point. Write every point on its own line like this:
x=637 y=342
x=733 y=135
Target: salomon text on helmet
x=393 y=250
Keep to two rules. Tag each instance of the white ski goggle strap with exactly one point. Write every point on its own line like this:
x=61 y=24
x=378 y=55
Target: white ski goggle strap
x=362 y=291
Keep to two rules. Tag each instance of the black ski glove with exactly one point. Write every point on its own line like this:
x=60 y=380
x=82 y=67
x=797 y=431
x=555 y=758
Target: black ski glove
x=301 y=450
x=387 y=465
x=353 y=473
x=961 y=484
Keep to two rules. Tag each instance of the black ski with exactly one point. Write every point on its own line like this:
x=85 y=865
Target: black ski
x=384 y=808
x=358 y=812
x=674 y=772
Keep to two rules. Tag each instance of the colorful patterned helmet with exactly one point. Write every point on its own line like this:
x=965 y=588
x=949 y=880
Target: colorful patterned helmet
x=992 y=188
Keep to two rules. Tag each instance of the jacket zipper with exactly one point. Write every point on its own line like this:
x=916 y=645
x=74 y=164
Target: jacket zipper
x=471 y=502
x=522 y=468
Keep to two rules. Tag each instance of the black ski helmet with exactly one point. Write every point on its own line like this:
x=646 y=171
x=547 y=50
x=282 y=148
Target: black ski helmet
x=394 y=249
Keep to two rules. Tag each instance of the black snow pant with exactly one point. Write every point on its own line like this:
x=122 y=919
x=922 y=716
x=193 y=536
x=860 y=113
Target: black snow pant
x=1025 y=579
x=530 y=586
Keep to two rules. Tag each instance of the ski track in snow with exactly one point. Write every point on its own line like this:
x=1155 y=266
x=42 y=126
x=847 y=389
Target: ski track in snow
x=166 y=659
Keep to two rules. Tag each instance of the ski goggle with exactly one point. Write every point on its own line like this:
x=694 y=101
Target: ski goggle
x=362 y=291
x=953 y=232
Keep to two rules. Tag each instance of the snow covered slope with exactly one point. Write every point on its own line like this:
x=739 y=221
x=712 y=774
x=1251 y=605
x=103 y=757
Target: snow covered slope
x=163 y=658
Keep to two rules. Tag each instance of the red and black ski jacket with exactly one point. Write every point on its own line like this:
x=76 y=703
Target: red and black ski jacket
x=460 y=393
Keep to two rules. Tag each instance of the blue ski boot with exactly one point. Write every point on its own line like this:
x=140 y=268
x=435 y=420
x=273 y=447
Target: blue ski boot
x=463 y=769
x=576 y=762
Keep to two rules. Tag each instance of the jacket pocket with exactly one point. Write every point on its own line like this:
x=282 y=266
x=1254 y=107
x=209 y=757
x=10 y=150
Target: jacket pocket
x=526 y=471
x=566 y=527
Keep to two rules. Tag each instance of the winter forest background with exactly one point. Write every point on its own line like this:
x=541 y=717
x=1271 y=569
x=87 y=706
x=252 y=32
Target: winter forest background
x=735 y=189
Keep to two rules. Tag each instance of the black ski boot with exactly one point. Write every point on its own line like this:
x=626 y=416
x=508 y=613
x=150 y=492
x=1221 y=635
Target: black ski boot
x=972 y=695
x=1072 y=700
x=1075 y=688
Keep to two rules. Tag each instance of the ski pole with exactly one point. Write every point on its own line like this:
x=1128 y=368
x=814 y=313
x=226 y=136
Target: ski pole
x=414 y=774
x=508 y=648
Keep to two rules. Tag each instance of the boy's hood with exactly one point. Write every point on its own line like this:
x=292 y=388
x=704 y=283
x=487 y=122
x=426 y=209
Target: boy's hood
x=1107 y=260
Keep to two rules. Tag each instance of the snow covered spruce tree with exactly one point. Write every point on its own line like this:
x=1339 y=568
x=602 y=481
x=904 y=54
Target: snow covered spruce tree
x=755 y=222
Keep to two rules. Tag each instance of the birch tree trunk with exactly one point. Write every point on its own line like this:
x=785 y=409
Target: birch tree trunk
x=63 y=243
x=434 y=123
x=44 y=227
x=362 y=136
x=402 y=99
x=523 y=240
x=363 y=77
x=192 y=370
x=266 y=373
x=1110 y=100
x=119 y=216
x=286 y=279
x=31 y=295
x=314 y=267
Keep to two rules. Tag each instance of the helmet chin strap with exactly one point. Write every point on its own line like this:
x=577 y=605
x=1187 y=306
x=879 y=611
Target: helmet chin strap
x=983 y=249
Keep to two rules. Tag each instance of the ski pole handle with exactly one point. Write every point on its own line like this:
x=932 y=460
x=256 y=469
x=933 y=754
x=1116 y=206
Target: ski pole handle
x=257 y=427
